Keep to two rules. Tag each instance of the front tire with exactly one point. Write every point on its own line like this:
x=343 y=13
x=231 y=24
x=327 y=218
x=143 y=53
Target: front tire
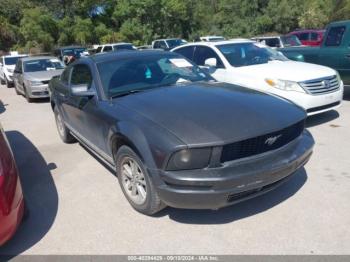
x=135 y=182
x=2 y=81
x=63 y=131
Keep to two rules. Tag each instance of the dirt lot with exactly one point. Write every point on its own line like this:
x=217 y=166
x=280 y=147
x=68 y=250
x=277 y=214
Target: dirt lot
x=76 y=205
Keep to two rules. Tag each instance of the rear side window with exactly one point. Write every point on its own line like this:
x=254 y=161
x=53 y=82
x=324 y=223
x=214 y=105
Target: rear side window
x=303 y=36
x=107 y=48
x=186 y=52
x=314 y=37
x=81 y=75
x=272 y=42
x=335 y=36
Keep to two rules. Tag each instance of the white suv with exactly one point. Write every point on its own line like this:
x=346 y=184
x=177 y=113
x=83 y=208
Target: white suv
x=243 y=62
x=7 y=66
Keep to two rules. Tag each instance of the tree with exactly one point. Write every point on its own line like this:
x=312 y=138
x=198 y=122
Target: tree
x=38 y=29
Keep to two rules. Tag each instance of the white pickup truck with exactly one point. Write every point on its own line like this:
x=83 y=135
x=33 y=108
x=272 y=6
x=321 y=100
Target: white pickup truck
x=244 y=62
x=7 y=66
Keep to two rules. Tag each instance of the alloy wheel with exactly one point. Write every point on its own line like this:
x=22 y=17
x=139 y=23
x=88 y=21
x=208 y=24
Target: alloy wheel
x=133 y=181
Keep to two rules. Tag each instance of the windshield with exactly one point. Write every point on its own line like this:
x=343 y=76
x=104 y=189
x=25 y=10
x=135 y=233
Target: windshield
x=139 y=73
x=11 y=60
x=76 y=52
x=290 y=40
x=124 y=47
x=42 y=65
x=246 y=54
x=175 y=42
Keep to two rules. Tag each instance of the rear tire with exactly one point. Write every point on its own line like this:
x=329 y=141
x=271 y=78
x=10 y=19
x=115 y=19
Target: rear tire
x=135 y=182
x=8 y=84
x=2 y=81
x=63 y=131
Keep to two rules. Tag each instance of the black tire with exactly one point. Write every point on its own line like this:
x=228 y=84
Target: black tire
x=63 y=131
x=26 y=95
x=3 y=81
x=8 y=84
x=152 y=203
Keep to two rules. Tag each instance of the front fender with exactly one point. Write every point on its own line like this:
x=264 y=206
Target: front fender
x=151 y=142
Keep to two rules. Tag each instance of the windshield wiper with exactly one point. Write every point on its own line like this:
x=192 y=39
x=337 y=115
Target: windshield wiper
x=130 y=92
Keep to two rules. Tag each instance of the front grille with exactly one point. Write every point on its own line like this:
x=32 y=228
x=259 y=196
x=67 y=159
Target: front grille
x=261 y=144
x=322 y=85
x=45 y=82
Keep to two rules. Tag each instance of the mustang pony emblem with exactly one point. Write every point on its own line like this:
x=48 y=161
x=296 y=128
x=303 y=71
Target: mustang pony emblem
x=271 y=140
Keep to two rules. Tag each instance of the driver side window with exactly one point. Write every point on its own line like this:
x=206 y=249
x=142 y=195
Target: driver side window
x=81 y=75
x=203 y=53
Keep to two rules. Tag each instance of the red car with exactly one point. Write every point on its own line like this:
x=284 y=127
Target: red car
x=310 y=37
x=11 y=196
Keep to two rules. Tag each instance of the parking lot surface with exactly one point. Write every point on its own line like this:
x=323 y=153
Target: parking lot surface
x=76 y=205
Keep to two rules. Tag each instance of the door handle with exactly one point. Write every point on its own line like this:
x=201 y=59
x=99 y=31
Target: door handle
x=347 y=55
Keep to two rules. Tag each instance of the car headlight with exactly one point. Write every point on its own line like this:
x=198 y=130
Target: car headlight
x=285 y=85
x=186 y=159
x=10 y=70
x=35 y=83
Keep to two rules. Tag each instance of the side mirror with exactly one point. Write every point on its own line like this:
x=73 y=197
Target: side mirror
x=82 y=91
x=211 y=62
x=17 y=71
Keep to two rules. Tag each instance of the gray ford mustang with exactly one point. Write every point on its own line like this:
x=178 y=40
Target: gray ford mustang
x=174 y=135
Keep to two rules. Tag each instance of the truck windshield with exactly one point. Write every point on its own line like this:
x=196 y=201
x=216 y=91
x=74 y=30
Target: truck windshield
x=247 y=54
x=42 y=65
x=139 y=73
x=290 y=40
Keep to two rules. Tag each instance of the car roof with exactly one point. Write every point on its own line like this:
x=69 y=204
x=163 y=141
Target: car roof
x=224 y=42
x=102 y=57
x=33 y=58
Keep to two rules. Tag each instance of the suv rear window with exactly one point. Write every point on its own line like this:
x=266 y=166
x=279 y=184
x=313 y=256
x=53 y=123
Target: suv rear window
x=335 y=36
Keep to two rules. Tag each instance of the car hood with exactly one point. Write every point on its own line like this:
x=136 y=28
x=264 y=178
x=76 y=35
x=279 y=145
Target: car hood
x=42 y=75
x=213 y=114
x=287 y=70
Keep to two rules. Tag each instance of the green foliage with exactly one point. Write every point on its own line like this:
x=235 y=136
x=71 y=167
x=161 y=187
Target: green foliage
x=44 y=24
x=38 y=29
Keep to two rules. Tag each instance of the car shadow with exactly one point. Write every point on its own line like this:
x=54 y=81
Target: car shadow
x=40 y=100
x=40 y=195
x=239 y=211
x=346 y=94
x=320 y=119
